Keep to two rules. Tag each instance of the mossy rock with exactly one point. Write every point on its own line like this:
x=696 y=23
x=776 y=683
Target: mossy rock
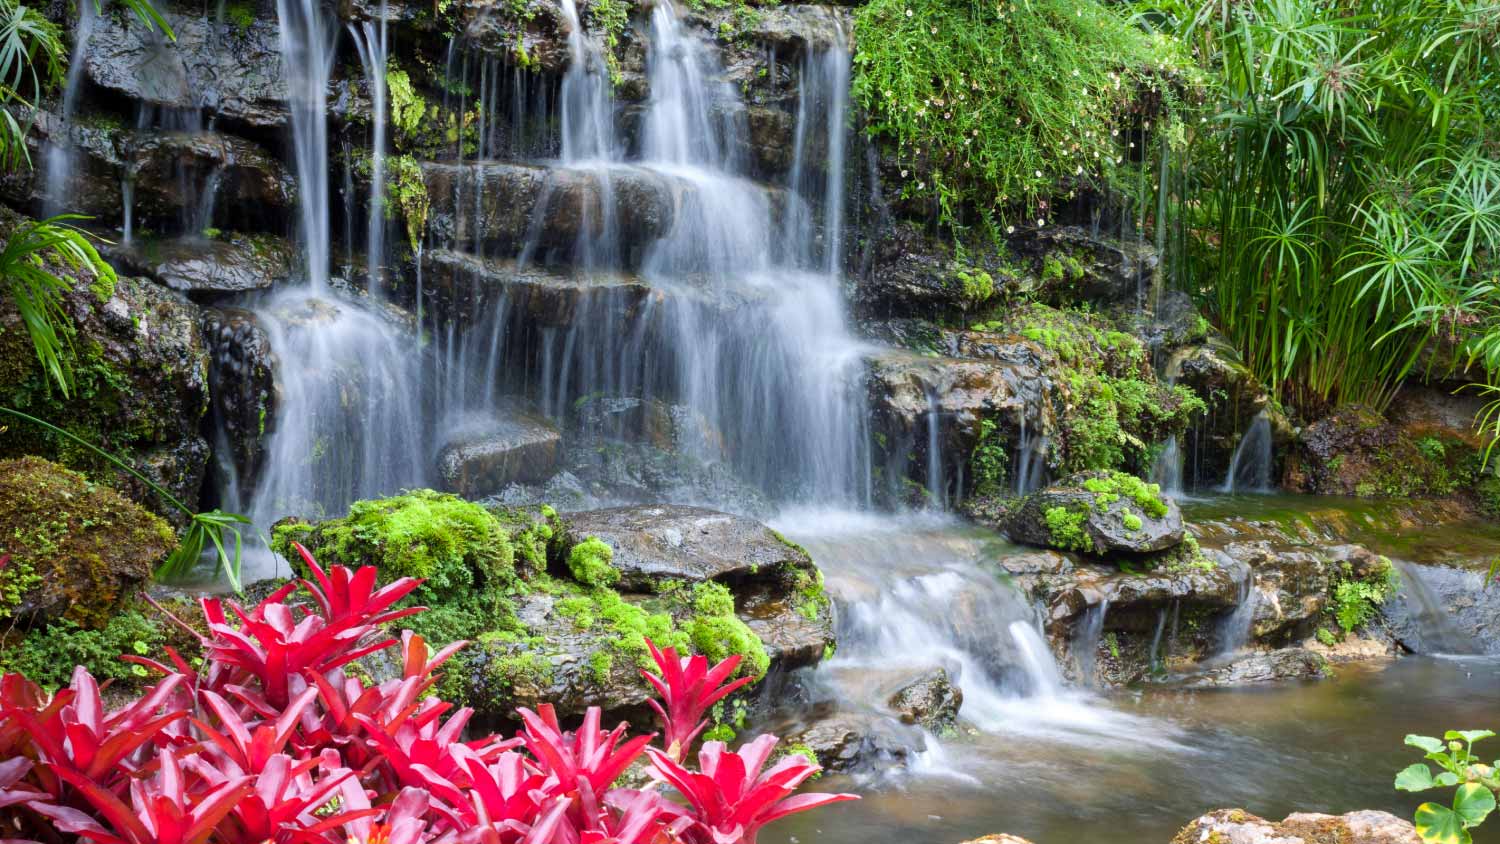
x=79 y=550
x=1098 y=513
x=140 y=371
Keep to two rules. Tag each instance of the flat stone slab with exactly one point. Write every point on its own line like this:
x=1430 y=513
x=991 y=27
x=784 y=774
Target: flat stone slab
x=686 y=543
x=484 y=457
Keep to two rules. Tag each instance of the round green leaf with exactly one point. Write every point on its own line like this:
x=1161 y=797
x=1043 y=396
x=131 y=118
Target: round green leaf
x=1427 y=743
x=1473 y=803
x=1440 y=825
x=1416 y=777
x=1469 y=736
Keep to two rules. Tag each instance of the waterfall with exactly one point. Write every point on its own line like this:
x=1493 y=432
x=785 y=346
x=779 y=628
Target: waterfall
x=1431 y=627
x=60 y=153
x=937 y=490
x=307 y=55
x=1250 y=467
x=588 y=130
x=373 y=45
x=1041 y=669
x=1167 y=470
x=349 y=422
x=1235 y=630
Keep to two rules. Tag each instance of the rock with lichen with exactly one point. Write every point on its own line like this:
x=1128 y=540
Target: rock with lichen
x=1098 y=513
x=78 y=549
x=1236 y=826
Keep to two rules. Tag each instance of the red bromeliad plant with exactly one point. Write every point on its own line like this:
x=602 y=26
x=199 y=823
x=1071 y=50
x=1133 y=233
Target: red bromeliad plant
x=271 y=742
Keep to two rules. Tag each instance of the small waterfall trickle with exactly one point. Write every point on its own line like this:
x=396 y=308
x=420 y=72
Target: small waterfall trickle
x=1234 y=631
x=587 y=107
x=1250 y=467
x=937 y=490
x=1042 y=674
x=1431 y=629
x=1167 y=471
x=1031 y=460
x=60 y=153
x=371 y=39
x=1086 y=639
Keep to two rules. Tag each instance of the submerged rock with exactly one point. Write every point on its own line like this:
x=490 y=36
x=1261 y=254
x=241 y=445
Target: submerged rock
x=1098 y=513
x=484 y=456
x=853 y=741
x=931 y=701
x=1254 y=668
x=1236 y=826
x=78 y=550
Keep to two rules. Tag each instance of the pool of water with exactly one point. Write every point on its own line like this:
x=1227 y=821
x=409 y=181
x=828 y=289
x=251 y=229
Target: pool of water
x=1168 y=756
x=1060 y=765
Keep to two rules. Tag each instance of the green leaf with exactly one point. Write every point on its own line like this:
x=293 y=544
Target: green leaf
x=1469 y=736
x=1440 y=825
x=1473 y=803
x=1415 y=777
x=1446 y=778
x=1427 y=743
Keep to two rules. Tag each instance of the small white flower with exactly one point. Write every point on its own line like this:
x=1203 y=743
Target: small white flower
x=1040 y=221
x=908 y=12
x=903 y=174
x=1010 y=229
x=934 y=30
x=921 y=185
x=1038 y=174
x=947 y=115
x=1079 y=171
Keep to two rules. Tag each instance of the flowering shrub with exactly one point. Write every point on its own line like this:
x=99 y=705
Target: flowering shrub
x=270 y=741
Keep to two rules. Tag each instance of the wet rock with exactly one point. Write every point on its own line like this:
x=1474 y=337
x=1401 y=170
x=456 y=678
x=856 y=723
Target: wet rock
x=93 y=182
x=1291 y=586
x=1444 y=609
x=211 y=268
x=466 y=289
x=851 y=741
x=242 y=384
x=1358 y=452
x=691 y=544
x=141 y=389
x=998 y=838
x=78 y=549
x=173 y=171
x=1095 y=522
x=549 y=211
x=1074 y=266
x=909 y=393
x=1236 y=826
x=913 y=274
x=1254 y=668
x=931 y=701
x=619 y=473
x=1353 y=648
x=1213 y=371
x=484 y=456
x=230 y=70
x=535 y=28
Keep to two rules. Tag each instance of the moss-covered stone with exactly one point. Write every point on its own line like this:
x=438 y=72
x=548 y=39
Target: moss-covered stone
x=589 y=561
x=78 y=549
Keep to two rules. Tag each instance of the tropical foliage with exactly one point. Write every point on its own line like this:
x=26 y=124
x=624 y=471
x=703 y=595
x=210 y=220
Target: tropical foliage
x=1337 y=203
x=275 y=738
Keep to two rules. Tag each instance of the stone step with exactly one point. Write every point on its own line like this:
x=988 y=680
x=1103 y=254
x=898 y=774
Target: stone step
x=599 y=215
x=486 y=453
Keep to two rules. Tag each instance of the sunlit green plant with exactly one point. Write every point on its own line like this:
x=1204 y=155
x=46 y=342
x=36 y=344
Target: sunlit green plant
x=1476 y=782
x=216 y=527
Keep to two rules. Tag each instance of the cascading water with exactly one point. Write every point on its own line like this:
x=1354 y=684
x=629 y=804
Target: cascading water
x=60 y=150
x=1250 y=467
x=348 y=422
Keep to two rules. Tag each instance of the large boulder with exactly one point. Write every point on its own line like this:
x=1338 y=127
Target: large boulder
x=1258 y=667
x=1358 y=452
x=1236 y=826
x=1098 y=513
x=78 y=550
x=141 y=389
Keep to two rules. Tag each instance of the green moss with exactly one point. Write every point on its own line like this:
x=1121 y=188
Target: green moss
x=406 y=194
x=240 y=15
x=977 y=285
x=1110 y=487
x=406 y=107
x=1132 y=522
x=807 y=590
x=988 y=461
x=47 y=655
x=1065 y=526
x=609 y=18
x=589 y=561
x=73 y=543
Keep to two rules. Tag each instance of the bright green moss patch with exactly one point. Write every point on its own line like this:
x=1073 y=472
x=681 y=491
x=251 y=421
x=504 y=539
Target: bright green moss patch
x=590 y=563
x=48 y=655
x=1113 y=486
x=1065 y=526
x=1132 y=521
